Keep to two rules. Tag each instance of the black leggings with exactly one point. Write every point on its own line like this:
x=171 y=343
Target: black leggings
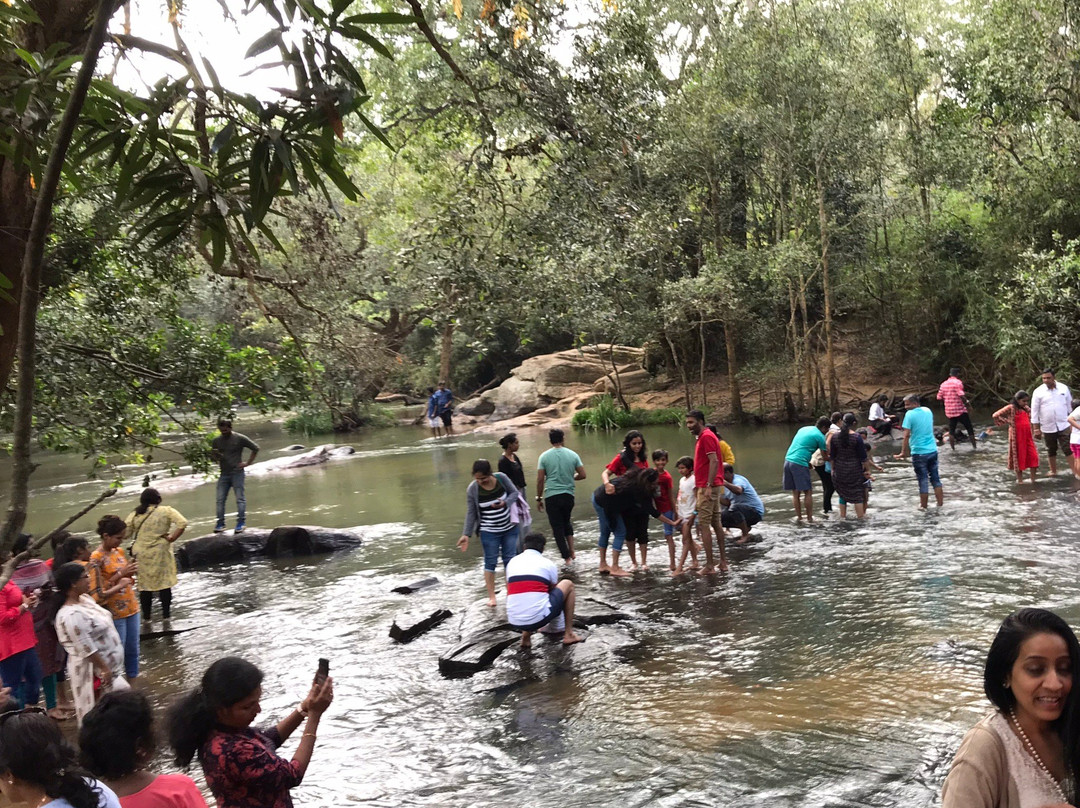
x=827 y=488
x=146 y=602
x=558 y=508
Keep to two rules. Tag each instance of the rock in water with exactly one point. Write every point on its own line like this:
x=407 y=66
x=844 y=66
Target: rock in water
x=224 y=548
x=415 y=586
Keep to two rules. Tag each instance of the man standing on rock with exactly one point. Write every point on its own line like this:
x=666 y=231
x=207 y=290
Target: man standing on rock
x=1051 y=404
x=557 y=470
x=228 y=450
x=951 y=392
x=708 y=479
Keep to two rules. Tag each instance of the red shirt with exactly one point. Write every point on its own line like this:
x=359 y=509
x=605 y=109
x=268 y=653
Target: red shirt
x=618 y=468
x=16 y=625
x=707 y=443
x=663 y=502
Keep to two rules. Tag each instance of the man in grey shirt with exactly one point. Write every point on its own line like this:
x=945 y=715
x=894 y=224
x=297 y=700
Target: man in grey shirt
x=228 y=450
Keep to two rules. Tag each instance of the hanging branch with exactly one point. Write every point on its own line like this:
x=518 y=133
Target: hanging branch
x=37 y=544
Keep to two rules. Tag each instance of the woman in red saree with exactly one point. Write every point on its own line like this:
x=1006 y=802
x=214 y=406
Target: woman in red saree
x=1022 y=452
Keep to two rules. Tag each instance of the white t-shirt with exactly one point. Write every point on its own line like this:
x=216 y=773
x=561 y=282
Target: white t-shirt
x=108 y=798
x=686 y=503
x=529 y=579
x=877 y=412
x=1075 y=436
x=1050 y=408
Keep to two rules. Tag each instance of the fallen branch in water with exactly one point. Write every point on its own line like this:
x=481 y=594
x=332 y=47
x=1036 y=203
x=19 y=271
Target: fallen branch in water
x=14 y=561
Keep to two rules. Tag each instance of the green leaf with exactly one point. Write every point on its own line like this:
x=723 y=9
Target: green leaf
x=265 y=43
x=223 y=137
x=199 y=176
x=364 y=36
x=381 y=18
x=375 y=130
x=29 y=58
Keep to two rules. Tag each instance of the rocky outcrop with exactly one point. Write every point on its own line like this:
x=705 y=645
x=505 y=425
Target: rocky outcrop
x=544 y=380
x=294 y=540
x=476 y=406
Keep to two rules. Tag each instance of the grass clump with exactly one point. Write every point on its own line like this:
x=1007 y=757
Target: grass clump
x=606 y=415
x=324 y=422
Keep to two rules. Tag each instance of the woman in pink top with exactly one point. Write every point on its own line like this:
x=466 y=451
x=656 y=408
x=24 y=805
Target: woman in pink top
x=117 y=742
x=20 y=667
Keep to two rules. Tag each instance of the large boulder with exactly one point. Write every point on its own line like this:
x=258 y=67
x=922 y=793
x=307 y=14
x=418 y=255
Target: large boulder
x=476 y=406
x=543 y=380
x=632 y=381
x=295 y=540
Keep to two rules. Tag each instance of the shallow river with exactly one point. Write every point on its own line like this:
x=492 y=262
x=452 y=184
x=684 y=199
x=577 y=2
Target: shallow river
x=838 y=664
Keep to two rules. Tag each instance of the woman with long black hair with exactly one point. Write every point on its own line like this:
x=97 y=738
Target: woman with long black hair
x=241 y=764
x=153 y=528
x=634 y=454
x=631 y=497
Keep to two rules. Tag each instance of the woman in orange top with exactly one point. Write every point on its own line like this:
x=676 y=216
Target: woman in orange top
x=110 y=585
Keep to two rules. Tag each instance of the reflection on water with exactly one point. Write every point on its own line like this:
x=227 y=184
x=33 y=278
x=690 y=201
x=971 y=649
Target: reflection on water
x=837 y=665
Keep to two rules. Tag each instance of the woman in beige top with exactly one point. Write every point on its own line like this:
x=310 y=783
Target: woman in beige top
x=1025 y=753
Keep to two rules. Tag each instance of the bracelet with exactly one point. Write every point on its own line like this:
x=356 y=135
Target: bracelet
x=308 y=735
x=302 y=711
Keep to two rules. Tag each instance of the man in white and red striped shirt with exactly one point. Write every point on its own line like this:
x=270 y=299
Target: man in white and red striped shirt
x=535 y=597
x=956 y=407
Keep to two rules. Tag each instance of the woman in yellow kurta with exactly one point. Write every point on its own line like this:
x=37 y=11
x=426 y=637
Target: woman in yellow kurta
x=154 y=527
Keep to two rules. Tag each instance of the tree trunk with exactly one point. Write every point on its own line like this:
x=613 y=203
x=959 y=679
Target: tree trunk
x=796 y=340
x=681 y=369
x=67 y=22
x=701 y=368
x=737 y=413
x=445 y=351
x=823 y=223
x=30 y=297
x=808 y=368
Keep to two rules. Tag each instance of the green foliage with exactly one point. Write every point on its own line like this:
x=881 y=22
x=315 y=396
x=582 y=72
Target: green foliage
x=605 y=415
x=314 y=421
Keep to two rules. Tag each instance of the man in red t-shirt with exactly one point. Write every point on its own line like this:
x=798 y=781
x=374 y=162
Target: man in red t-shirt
x=708 y=479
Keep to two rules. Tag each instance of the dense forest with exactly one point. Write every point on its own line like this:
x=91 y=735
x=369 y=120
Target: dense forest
x=755 y=188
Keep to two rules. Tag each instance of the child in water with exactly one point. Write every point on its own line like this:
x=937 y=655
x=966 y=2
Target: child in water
x=665 y=501
x=686 y=510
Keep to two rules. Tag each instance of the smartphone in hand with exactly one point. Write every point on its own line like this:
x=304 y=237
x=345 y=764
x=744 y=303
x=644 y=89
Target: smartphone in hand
x=323 y=671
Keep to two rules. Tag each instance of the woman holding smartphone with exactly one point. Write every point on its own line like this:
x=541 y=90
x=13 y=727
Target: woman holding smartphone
x=241 y=763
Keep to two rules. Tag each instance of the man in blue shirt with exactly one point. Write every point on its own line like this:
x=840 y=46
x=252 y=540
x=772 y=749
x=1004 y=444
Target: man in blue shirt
x=919 y=442
x=433 y=420
x=744 y=507
x=444 y=401
x=797 y=465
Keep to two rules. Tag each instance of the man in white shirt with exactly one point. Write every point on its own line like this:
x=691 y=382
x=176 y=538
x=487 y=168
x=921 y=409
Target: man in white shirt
x=880 y=420
x=1051 y=404
x=535 y=596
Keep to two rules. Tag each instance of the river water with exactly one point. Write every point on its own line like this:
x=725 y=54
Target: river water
x=838 y=664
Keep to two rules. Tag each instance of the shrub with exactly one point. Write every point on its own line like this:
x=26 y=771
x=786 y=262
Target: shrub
x=605 y=414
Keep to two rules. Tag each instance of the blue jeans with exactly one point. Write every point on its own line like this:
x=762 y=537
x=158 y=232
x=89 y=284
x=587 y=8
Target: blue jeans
x=128 y=629
x=926 y=471
x=608 y=527
x=495 y=543
x=22 y=673
x=235 y=481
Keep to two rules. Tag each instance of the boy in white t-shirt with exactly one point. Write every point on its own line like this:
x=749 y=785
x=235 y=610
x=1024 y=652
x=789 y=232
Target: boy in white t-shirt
x=686 y=511
x=1074 y=442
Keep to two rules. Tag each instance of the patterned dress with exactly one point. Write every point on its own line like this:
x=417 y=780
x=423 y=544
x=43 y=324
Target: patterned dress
x=85 y=629
x=243 y=769
x=157 y=564
x=1022 y=452
x=847 y=467
x=104 y=566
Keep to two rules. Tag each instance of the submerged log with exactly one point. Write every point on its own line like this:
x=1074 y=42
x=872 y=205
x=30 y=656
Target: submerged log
x=296 y=540
x=478 y=649
x=415 y=586
x=405 y=635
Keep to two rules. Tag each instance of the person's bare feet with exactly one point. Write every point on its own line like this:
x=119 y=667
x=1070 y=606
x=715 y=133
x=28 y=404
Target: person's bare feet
x=491 y=601
x=708 y=569
x=619 y=572
x=743 y=539
x=571 y=638
x=724 y=566
x=526 y=642
x=676 y=570
x=644 y=567
x=694 y=565
x=604 y=569
x=61 y=714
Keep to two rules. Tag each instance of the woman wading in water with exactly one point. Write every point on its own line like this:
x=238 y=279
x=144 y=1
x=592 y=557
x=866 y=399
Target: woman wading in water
x=1022 y=452
x=1026 y=753
x=634 y=454
x=488 y=500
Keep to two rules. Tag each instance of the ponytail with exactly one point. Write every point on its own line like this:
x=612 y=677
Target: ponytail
x=33 y=749
x=192 y=718
x=846 y=425
x=149 y=496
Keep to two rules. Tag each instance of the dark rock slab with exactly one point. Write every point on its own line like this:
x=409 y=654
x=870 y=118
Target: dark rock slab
x=415 y=586
x=296 y=540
